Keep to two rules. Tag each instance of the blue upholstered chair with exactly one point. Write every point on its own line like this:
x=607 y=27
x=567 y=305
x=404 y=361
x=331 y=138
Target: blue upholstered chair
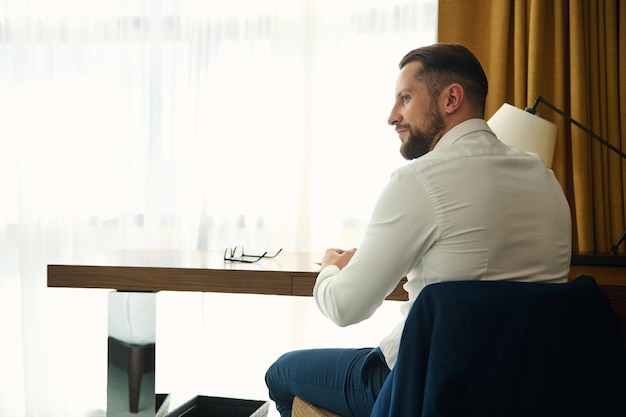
x=478 y=348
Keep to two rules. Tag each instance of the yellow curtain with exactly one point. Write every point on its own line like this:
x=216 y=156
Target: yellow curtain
x=566 y=51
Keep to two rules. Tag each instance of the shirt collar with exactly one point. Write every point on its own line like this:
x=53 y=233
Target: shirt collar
x=462 y=129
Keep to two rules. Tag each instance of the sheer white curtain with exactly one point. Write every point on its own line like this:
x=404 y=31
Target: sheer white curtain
x=185 y=124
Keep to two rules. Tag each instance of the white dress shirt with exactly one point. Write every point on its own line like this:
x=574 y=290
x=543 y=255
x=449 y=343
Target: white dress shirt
x=471 y=209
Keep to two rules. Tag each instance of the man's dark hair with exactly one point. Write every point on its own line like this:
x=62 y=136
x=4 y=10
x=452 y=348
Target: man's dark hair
x=447 y=63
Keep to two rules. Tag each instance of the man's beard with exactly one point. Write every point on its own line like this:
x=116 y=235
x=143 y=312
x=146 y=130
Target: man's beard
x=419 y=142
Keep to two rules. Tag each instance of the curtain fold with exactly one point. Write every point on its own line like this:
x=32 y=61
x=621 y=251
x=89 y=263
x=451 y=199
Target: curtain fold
x=182 y=124
x=567 y=51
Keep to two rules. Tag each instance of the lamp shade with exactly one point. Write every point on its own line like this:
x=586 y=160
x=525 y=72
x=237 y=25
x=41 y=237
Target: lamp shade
x=525 y=131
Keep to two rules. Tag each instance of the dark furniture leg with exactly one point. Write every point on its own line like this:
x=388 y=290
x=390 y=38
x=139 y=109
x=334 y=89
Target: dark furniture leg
x=135 y=360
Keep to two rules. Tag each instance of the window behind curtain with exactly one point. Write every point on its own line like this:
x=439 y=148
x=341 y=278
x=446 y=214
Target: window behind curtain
x=183 y=124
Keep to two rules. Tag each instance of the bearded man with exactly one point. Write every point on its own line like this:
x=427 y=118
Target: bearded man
x=467 y=207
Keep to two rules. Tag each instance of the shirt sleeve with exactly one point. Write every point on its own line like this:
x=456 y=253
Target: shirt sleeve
x=403 y=226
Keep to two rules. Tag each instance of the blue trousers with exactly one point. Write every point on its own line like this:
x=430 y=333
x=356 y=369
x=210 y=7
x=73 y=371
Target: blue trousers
x=344 y=381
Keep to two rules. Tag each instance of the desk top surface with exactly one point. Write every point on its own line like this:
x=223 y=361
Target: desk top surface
x=290 y=273
x=295 y=262
x=600 y=259
x=193 y=270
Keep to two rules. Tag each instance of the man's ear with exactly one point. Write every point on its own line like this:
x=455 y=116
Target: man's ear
x=453 y=96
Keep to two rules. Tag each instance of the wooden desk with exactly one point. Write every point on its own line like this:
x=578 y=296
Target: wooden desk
x=173 y=270
x=606 y=269
x=176 y=270
x=289 y=274
x=201 y=271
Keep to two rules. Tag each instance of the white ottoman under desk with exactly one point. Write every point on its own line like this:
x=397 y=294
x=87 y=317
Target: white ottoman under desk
x=131 y=353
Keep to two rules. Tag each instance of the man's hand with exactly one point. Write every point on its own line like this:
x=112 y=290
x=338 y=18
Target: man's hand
x=337 y=257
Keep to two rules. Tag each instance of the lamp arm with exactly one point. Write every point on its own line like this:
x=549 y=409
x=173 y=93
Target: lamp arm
x=540 y=99
x=615 y=246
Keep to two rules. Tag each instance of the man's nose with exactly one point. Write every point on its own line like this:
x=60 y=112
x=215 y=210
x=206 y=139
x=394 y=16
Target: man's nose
x=394 y=117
